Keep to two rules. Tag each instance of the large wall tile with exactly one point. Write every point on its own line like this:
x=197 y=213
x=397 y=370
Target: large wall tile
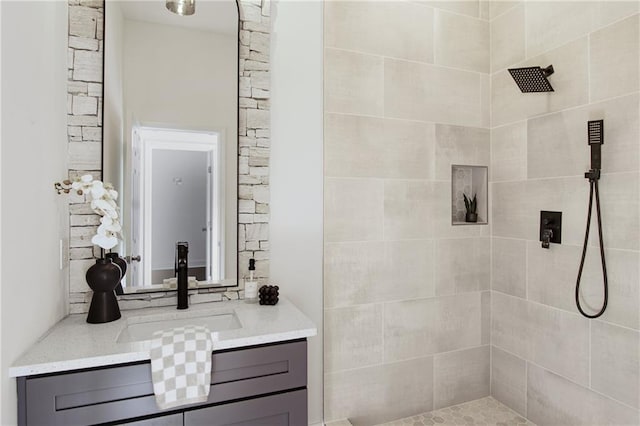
x=551 y=24
x=485 y=317
x=623 y=270
x=354 y=209
x=570 y=82
x=509 y=266
x=461 y=146
x=509 y=327
x=415 y=328
x=407 y=205
x=374 y=271
x=509 y=213
x=410 y=269
x=507 y=38
x=620 y=203
x=373 y=395
x=462 y=265
x=464 y=7
x=353 y=83
x=557 y=143
x=559 y=341
x=552 y=278
x=396 y=29
x=615 y=363
x=553 y=400
x=461 y=42
x=497 y=8
x=509 y=152
x=424 y=92
x=461 y=376
x=608 y=11
x=354 y=273
x=357 y=146
x=353 y=337
x=615 y=59
x=509 y=380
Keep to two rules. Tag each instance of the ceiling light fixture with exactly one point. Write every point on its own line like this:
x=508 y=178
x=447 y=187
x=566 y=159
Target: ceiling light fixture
x=182 y=7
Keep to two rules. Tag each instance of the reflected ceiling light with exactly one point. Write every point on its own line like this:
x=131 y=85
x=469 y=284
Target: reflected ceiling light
x=182 y=7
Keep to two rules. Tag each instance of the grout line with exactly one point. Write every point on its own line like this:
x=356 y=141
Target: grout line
x=412 y=61
x=589 y=68
x=526 y=389
x=415 y=299
x=537 y=179
x=526 y=271
x=399 y=361
x=590 y=353
x=384 y=350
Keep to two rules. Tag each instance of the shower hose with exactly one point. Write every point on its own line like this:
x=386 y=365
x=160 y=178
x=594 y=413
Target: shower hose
x=593 y=189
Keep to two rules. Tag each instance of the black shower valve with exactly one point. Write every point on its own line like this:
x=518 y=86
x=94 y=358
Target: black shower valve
x=550 y=228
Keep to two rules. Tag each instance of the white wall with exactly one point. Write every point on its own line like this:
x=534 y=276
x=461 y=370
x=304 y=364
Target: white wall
x=296 y=169
x=33 y=153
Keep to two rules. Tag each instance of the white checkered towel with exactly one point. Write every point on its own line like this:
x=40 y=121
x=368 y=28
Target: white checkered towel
x=181 y=365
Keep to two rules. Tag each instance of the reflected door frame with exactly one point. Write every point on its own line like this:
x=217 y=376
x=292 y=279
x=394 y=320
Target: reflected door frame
x=147 y=139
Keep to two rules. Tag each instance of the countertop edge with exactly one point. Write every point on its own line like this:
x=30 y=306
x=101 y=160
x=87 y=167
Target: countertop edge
x=259 y=326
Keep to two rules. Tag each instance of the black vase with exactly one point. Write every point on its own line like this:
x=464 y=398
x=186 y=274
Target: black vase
x=471 y=217
x=103 y=277
x=123 y=267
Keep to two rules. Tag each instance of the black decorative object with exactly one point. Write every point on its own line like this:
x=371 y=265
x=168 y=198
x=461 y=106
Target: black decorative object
x=115 y=258
x=471 y=205
x=103 y=277
x=268 y=294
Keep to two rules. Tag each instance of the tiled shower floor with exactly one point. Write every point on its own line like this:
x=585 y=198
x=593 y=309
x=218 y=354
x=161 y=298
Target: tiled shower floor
x=486 y=411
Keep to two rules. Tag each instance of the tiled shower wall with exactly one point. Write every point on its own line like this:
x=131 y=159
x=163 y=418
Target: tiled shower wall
x=548 y=362
x=405 y=293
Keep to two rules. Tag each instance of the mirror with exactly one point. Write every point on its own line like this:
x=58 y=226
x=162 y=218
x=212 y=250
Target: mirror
x=170 y=143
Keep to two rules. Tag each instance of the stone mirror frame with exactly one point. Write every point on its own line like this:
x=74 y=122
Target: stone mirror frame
x=84 y=128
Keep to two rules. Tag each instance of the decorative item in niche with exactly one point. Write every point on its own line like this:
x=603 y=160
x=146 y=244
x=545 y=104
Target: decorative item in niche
x=107 y=272
x=471 y=205
x=469 y=209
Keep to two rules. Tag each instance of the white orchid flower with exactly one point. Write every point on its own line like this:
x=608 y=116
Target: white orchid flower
x=97 y=189
x=104 y=241
x=103 y=201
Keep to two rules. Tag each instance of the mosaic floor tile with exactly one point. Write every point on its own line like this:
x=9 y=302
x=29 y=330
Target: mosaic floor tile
x=481 y=412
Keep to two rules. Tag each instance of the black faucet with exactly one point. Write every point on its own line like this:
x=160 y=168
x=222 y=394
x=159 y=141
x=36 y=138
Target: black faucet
x=181 y=267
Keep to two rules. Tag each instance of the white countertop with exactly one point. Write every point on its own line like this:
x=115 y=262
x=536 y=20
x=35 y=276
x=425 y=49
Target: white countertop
x=73 y=344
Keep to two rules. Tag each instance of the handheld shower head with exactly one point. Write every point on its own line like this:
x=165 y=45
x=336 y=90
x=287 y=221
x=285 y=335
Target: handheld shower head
x=595 y=128
x=532 y=79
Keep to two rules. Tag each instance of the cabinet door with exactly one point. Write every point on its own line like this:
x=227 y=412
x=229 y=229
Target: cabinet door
x=285 y=409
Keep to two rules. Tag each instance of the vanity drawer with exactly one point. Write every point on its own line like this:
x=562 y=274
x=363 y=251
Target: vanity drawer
x=283 y=409
x=123 y=392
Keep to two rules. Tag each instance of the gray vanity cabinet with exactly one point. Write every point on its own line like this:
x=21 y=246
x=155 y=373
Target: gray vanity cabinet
x=260 y=385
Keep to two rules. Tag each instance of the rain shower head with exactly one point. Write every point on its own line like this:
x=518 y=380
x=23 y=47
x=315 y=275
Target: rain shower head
x=532 y=79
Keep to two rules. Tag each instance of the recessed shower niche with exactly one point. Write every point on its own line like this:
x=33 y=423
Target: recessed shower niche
x=469 y=181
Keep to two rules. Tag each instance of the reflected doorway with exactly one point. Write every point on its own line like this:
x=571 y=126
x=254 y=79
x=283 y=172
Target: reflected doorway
x=178 y=195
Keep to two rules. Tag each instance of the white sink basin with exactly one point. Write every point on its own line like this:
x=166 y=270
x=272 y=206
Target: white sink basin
x=139 y=329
